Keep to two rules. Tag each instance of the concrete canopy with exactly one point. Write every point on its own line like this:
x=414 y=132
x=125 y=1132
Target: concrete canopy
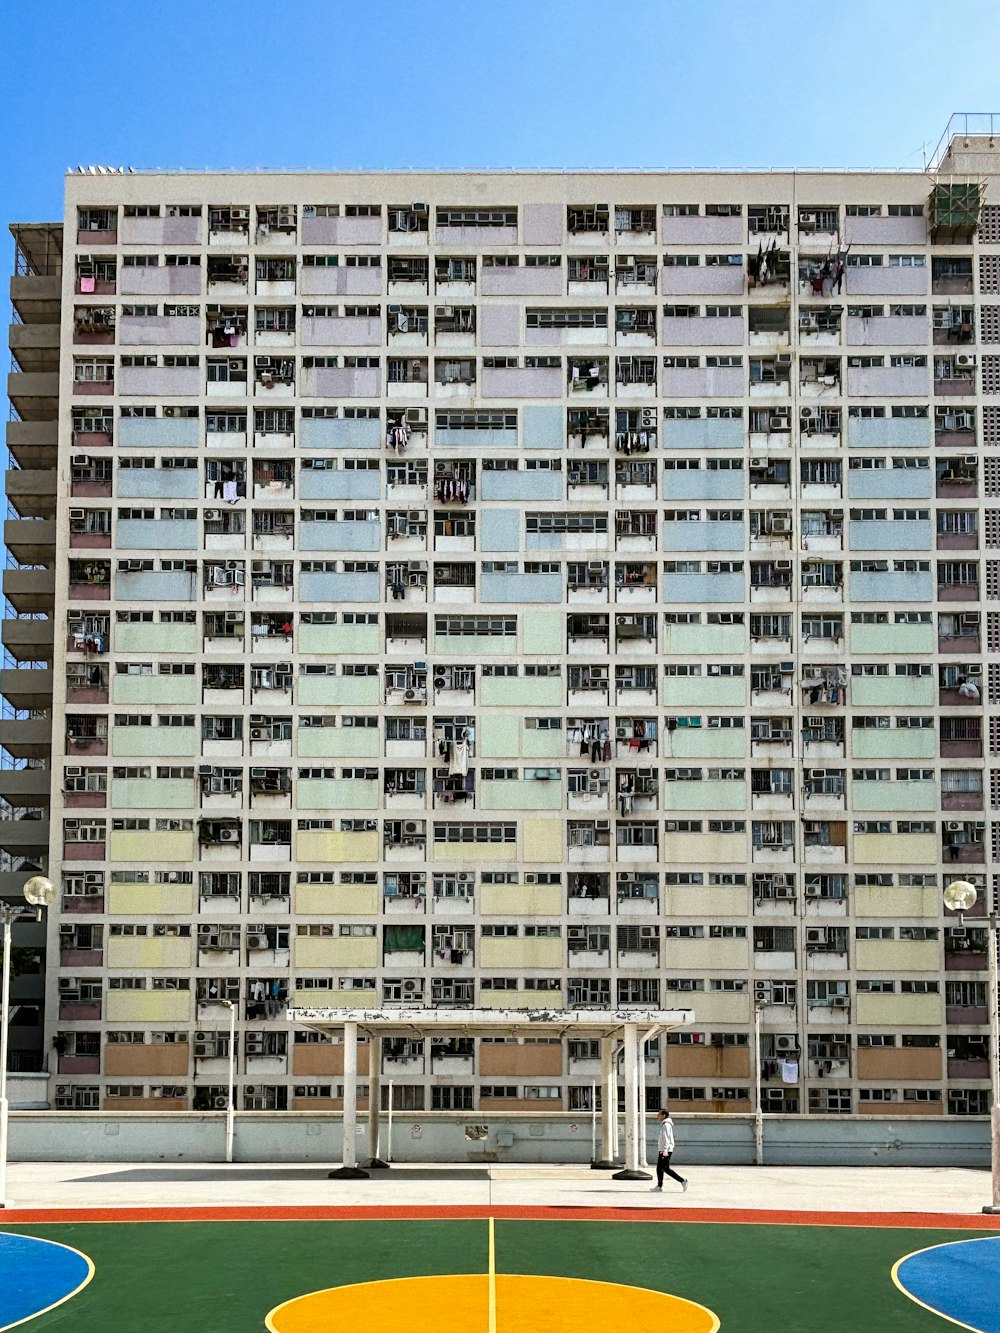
x=631 y=1028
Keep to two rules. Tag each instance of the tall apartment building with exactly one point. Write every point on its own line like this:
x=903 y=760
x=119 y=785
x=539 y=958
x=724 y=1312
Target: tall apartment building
x=516 y=590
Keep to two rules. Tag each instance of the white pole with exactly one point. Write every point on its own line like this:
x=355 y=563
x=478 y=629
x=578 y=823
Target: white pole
x=8 y=916
x=643 y=1045
x=230 y=1107
x=593 y=1122
x=631 y=1171
x=374 y=1094
x=758 y=1114
x=350 y=1156
x=613 y=1103
x=640 y=1108
x=994 y=1066
x=388 y=1130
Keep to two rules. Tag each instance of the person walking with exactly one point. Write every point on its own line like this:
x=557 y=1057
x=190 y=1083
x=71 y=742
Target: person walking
x=664 y=1151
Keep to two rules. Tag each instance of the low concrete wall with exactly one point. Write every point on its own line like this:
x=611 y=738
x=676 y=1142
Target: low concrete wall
x=290 y=1136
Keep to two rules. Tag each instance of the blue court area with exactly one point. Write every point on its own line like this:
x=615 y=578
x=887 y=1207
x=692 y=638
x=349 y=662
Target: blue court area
x=35 y=1275
x=960 y=1281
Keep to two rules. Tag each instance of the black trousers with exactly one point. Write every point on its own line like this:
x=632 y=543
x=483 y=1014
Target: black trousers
x=663 y=1169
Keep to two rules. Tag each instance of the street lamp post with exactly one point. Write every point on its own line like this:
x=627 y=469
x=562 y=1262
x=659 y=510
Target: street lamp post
x=38 y=893
x=960 y=896
x=230 y=1108
x=758 y=1113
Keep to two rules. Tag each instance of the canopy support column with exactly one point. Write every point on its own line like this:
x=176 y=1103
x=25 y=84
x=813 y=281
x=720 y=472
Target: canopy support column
x=632 y=1055
x=609 y=1105
x=374 y=1100
x=350 y=1169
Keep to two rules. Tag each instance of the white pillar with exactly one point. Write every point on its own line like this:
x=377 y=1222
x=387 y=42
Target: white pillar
x=606 y=1155
x=230 y=1104
x=374 y=1094
x=612 y=1095
x=643 y=1048
x=631 y=1171
x=8 y=914
x=350 y=1094
x=991 y=940
x=758 y=1110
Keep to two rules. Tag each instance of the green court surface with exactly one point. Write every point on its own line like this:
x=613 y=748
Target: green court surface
x=226 y=1276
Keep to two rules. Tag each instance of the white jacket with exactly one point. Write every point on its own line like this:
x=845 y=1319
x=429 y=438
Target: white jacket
x=665 y=1143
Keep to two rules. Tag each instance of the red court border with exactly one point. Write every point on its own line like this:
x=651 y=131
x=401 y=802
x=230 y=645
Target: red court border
x=506 y=1212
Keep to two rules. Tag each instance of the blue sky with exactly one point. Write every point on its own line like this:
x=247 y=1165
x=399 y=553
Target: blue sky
x=493 y=83
x=478 y=83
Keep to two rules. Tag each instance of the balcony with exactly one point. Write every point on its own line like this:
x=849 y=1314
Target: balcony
x=25 y=786
x=25 y=837
x=32 y=492
x=28 y=640
x=33 y=444
x=35 y=347
x=27 y=737
x=30 y=541
x=27 y=689
x=35 y=395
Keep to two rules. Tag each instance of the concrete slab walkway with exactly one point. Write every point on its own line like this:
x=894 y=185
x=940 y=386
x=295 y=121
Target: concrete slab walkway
x=185 y=1185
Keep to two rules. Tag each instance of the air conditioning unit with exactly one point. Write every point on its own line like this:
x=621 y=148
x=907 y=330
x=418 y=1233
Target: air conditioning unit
x=777 y=423
x=784 y=358
x=229 y=835
x=781 y=523
x=73 y=771
x=974 y=669
x=419 y=210
x=411 y=827
x=783 y=564
x=971 y=618
x=786 y=668
x=840 y=1002
x=953 y=826
x=282 y=668
x=202 y=1049
x=814 y=891
x=816 y=935
x=221 y=1103
x=410 y=987
x=205 y=770
x=647 y=417
x=213 y=515
x=259 y=734
x=80 y=460
x=256 y=941
x=817 y=774
x=671 y=826
x=762 y=992
x=414 y=416
x=965 y=359
x=602 y=825
x=814 y=721
x=970 y=460
x=786 y=1043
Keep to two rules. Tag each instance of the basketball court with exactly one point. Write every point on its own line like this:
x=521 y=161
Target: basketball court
x=560 y=1261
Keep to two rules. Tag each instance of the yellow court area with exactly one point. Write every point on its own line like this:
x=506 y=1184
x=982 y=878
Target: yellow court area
x=479 y=1303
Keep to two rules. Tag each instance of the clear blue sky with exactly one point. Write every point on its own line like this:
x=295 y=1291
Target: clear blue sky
x=492 y=83
x=478 y=83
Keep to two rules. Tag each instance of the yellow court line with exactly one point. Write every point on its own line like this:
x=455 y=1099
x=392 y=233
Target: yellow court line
x=91 y=1270
x=492 y=1319
x=894 y=1274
